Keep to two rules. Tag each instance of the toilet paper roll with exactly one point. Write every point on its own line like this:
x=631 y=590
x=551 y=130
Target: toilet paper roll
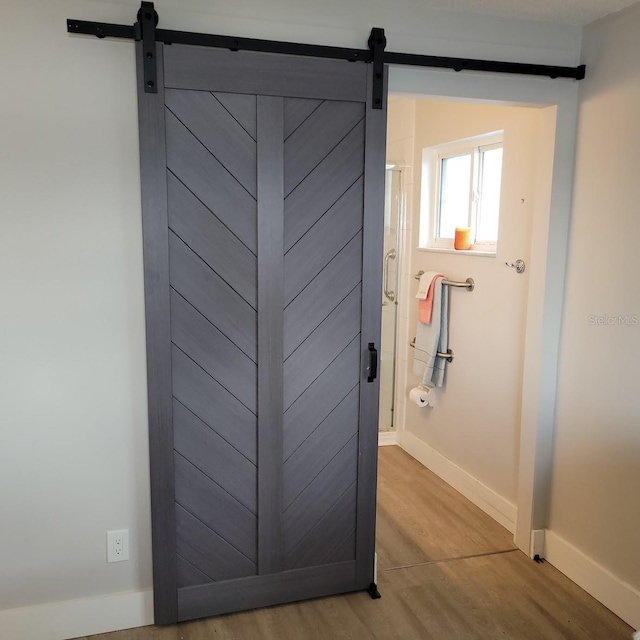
x=420 y=396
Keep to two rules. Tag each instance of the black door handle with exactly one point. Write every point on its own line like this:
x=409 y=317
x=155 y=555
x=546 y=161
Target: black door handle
x=373 y=362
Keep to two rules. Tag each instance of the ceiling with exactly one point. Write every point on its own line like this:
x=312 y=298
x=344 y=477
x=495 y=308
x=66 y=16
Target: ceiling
x=578 y=12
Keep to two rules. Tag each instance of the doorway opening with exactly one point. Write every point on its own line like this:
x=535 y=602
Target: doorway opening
x=474 y=435
x=471 y=425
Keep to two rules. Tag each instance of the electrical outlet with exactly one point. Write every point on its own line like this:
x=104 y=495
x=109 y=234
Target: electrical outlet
x=118 y=545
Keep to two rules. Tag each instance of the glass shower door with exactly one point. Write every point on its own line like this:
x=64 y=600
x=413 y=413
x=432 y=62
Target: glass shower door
x=392 y=211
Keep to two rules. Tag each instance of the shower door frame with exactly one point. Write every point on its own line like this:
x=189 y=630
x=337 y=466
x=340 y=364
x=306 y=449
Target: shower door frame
x=400 y=251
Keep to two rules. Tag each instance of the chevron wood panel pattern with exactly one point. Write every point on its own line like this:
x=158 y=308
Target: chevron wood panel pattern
x=199 y=339
x=323 y=186
x=214 y=405
x=242 y=107
x=345 y=550
x=321 y=398
x=189 y=575
x=296 y=111
x=190 y=161
x=311 y=254
x=325 y=538
x=311 y=457
x=212 y=297
x=320 y=495
x=214 y=507
x=218 y=131
x=215 y=457
x=323 y=294
x=322 y=346
x=207 y=551
x=214 y=243
x=211 y=188
x=316 y=137
x=323 y=297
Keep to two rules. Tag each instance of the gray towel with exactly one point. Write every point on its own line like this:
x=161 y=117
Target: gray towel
x=431 y=338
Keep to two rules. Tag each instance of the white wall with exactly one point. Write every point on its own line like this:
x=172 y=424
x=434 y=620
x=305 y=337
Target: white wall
x=475 y=424
x=73 y=457
x=596 y=476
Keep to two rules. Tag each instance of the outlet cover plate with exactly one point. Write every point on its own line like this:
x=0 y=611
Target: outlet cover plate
x=118 y=545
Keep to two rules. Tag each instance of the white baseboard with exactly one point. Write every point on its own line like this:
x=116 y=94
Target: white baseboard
x=386 y=438
x=614 y=593
x=488 y=500
x=76 y=618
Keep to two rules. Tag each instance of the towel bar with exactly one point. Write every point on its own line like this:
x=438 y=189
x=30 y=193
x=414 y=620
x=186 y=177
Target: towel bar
x=447 y=356
x=468 y=284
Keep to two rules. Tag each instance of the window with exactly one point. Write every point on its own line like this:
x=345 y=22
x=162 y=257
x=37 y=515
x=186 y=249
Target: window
x=461 y=188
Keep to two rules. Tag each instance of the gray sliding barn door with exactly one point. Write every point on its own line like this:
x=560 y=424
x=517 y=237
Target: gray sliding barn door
x=262 y=183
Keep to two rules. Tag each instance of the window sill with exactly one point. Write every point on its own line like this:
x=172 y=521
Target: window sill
x=468 y=252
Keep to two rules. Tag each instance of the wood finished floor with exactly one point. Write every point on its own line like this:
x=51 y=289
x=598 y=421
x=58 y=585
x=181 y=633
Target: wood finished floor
x=422 y=519
x=447 y=571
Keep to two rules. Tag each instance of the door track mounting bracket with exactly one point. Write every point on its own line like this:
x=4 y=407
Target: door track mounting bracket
x=145 y=30
x=377 y=43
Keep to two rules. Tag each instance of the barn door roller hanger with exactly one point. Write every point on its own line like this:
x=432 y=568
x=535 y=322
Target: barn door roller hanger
x=145 y=30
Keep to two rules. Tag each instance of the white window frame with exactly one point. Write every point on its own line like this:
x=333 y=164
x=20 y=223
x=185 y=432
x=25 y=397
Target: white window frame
x=430 y=189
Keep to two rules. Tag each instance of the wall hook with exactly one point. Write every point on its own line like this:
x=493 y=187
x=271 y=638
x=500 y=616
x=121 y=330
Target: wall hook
x=518 y=265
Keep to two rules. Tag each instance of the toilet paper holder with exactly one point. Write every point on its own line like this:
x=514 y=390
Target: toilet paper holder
x=448 y=356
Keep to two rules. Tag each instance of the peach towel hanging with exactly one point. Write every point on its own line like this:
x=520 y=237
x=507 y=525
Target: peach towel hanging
x=425 y=307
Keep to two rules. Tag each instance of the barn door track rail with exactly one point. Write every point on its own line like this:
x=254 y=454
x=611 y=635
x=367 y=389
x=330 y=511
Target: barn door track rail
x=145 y=29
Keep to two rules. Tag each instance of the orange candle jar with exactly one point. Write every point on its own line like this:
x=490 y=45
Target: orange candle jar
x=463 y=238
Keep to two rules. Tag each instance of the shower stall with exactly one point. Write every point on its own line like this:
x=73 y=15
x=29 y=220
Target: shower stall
x=393 y=229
